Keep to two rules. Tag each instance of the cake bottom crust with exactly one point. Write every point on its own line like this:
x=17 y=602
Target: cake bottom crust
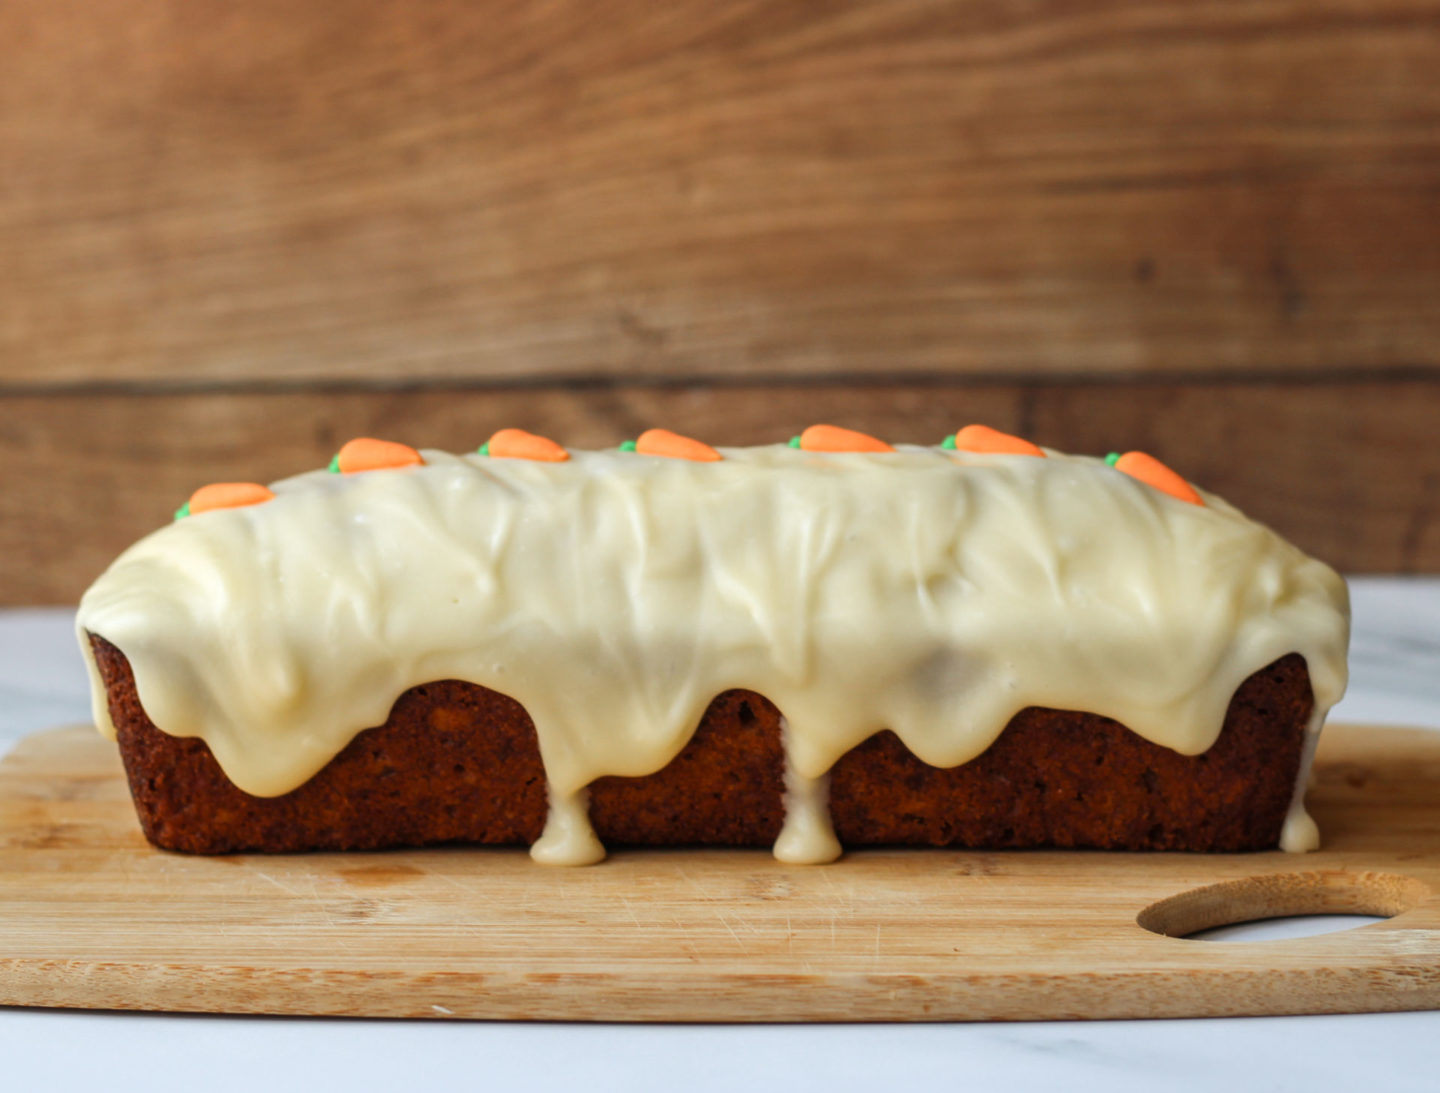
x=457 y=762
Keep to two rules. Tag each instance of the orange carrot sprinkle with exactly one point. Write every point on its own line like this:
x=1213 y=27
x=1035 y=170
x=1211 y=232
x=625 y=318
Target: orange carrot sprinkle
x=518 y=444
x=674 y=446
x=367 y=454
x=982 y=438
x=832 y=438
x=227 y=495
x=1152 y=472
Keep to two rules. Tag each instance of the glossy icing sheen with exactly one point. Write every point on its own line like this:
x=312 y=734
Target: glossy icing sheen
x=935 y=593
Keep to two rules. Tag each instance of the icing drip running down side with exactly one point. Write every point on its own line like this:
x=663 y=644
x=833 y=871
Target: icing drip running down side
x=934 y=592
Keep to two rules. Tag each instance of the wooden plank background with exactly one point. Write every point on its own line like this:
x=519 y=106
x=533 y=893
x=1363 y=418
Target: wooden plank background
x=231 y=236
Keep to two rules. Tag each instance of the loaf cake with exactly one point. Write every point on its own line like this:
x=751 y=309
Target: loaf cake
x=831 y=642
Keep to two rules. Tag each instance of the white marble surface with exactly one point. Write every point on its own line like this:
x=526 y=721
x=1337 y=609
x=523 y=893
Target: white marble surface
x=1395 y=679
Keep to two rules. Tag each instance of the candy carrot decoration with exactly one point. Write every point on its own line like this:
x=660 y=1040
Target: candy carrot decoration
x=224 y=495
x=674 y=446
x=1153 y=473
x=988 y=441
x=518 y=444
x=367 y=454
x=832 y=438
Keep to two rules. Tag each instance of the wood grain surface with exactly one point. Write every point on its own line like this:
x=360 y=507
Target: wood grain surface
x=195 y=190
x=92 y=916
x=232 y=236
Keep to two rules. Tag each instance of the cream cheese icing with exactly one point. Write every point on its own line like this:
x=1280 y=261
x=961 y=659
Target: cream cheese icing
x=935 y=593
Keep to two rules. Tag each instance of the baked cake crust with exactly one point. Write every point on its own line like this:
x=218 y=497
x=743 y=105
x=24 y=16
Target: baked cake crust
x=457 y=762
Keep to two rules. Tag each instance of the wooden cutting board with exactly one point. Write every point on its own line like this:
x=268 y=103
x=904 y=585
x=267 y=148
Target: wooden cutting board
x=92 y=916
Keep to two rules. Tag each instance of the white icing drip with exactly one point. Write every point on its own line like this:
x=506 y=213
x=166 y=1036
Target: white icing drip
x=1300 y=835
x=808 y=836
x=568 y=838
x=614 y=595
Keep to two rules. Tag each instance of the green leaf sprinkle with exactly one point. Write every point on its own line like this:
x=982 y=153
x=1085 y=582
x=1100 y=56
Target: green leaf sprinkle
x=794 y=442
x=335 y=464
x=627 y=445
x=1112 y=459
x=484 y=449
x=183 y=511
x=948 y=443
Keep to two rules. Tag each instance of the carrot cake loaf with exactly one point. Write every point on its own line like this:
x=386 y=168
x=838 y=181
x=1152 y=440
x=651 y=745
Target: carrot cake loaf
x=832 y=641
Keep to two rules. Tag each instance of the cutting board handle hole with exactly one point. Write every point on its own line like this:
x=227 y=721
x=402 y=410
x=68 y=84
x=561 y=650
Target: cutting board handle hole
x=1283 y=895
